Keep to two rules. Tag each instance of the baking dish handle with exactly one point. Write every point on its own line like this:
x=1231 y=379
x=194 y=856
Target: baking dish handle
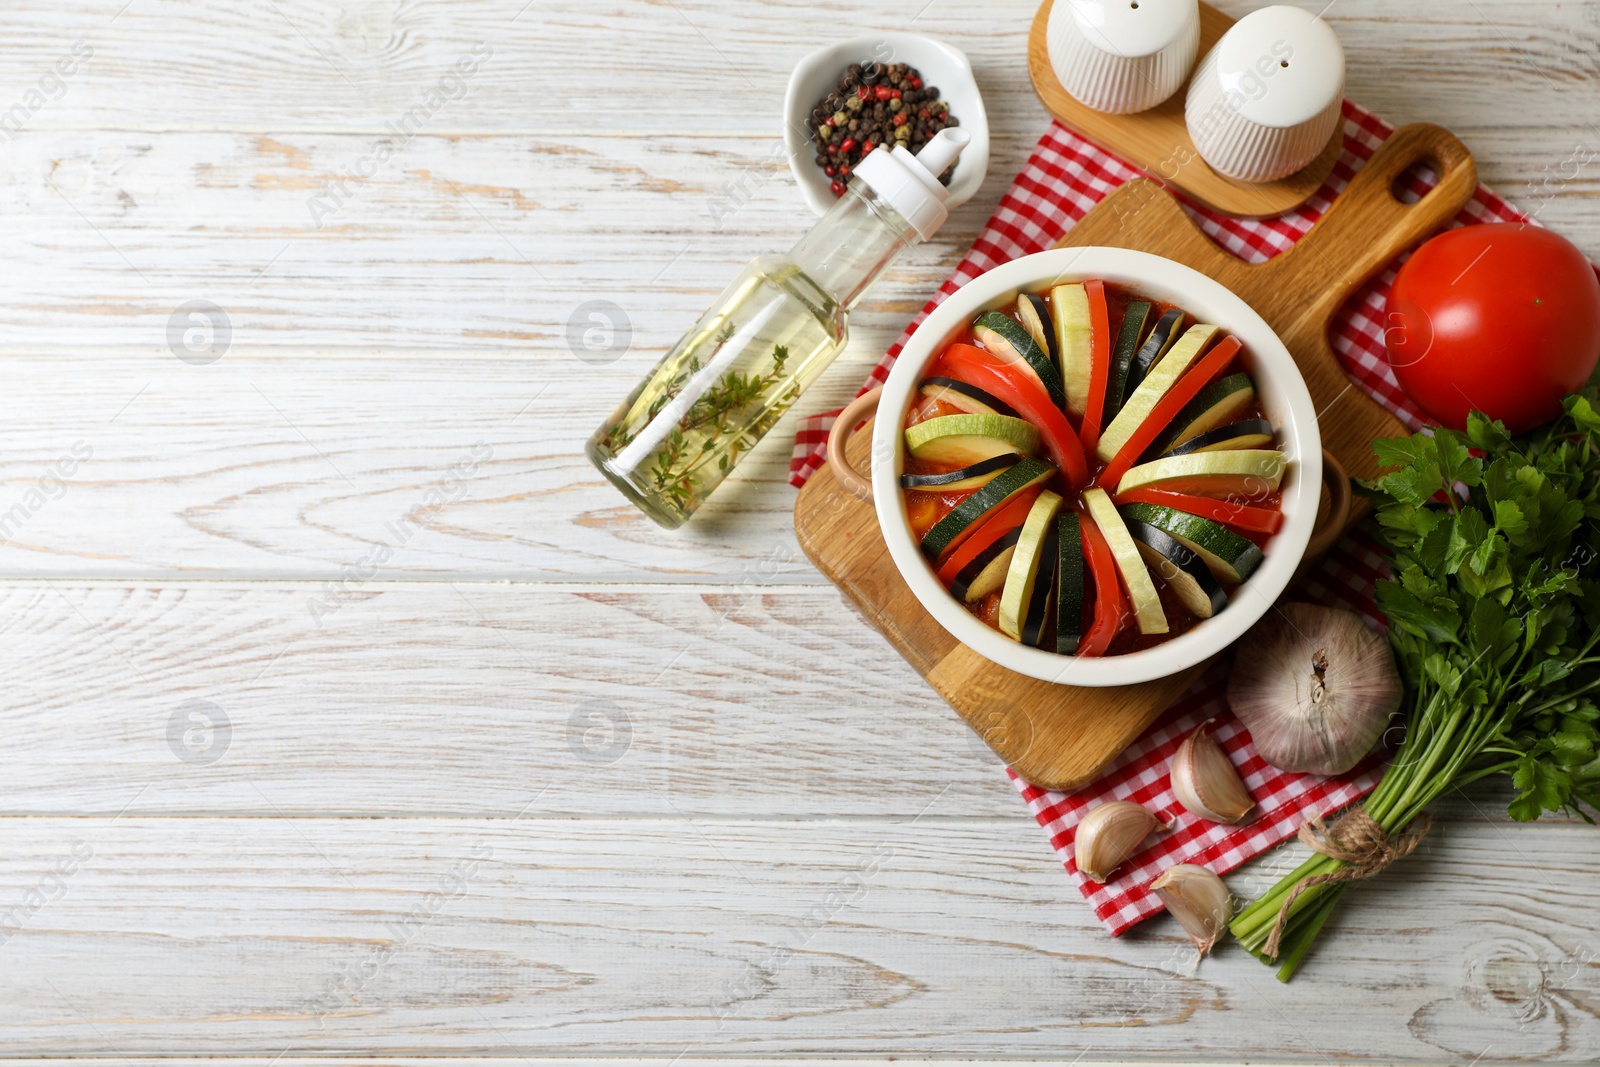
x=858 y=409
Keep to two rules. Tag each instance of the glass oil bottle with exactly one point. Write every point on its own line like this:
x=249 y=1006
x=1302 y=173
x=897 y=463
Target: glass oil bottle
x=770 y=334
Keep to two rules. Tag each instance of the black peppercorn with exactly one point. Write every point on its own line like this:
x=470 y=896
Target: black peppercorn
x=844 y=117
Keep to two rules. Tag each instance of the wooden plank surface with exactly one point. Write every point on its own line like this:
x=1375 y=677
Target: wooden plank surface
x=626 y=151
x=518 y=938
x=616 y=700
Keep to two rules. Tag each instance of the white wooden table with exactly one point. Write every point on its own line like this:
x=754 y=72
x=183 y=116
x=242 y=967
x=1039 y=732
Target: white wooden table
x=291 y=780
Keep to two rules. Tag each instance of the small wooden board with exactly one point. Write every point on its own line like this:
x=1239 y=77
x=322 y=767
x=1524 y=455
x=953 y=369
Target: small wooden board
x=1157 y=141
x=1058 y=736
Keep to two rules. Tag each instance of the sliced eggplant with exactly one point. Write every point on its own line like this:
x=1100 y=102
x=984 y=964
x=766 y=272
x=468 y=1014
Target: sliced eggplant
x=1069 y=582
x=1069 y=308
x=1248 y=433
x=970 y=477
x=1122 y=353
x=968 y=439
x=1212 y=407
x=1017 y=596
x=968 y=398
x=1162 y=377
x=1163 y=336
x=1034 y=314
x=1227 y=555
x=1005 y=337
x=964 y=518
x=1043 y=598
x=987 y=571
x=1181 y=569
x=1142 y=593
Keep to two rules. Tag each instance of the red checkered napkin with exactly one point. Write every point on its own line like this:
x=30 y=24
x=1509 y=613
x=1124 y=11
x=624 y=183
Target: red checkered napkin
x=1063 y=179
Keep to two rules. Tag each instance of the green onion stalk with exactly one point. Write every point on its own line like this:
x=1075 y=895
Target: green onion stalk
x=1492 y=612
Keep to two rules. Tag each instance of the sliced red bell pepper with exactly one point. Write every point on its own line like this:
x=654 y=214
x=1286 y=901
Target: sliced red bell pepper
x=1172 y=401
x=1110 y=606
x=974 y=366
x=1227 y=512
x=1099 y=363
x=1007 y=518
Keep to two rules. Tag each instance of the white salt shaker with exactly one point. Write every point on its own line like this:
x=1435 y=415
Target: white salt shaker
x=1265 y=100
x=1121 y=56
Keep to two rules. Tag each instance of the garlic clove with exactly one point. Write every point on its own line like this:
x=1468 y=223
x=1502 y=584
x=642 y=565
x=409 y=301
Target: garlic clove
x=1198 y=899
x=1109 y=834
x=1315 y=694
x=1205 y=781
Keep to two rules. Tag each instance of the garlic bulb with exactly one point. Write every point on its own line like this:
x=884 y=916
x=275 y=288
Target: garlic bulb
x=1315 y=688
x=1205 y=781
x=1199 y=901
x=1109 y=834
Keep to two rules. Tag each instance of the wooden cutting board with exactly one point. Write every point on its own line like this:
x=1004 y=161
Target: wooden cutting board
x=1058 y=736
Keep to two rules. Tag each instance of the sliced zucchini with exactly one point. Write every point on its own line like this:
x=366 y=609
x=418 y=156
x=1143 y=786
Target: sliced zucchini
x=1228 y=556
x=1034 y=314
x=963 y=519
x=1069 y=307
x=969 y=439
x=1181 y=569
x=1165 y=333
x=1069 y=583
x=1122 y=353
x=1244 y=472
x=968 y=398
x=966 y=478
x=987 y=570
x=1212 y=406
x=1025 y=561
x=1154 y=386
x=1044 y=588
x=1005 y=337
x=1141 y=590
x=1248 y=433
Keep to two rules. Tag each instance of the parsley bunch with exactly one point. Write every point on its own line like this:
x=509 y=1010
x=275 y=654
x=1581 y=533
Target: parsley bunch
x=1492 y=612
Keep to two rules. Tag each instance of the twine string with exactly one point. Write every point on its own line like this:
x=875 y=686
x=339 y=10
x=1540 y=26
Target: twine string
x=1358 y=842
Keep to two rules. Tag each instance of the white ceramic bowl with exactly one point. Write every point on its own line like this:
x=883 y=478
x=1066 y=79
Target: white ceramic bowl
x=941 y=66
x=1282 y=395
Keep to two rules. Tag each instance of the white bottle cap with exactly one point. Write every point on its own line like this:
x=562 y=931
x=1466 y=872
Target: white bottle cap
x=910 y=183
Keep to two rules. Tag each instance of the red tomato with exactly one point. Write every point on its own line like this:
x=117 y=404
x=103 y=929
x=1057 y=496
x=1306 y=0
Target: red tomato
x=1503 y=318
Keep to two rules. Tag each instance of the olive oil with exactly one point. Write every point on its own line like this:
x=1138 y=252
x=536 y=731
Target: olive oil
x=720 y=389
x=728 y=381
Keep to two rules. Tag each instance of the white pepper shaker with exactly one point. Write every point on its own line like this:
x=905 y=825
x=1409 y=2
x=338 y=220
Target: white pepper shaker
x=1265 y=100
x=1122 y=56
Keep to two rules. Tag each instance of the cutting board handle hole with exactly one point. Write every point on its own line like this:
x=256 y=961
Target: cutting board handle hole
x=1416 y=181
